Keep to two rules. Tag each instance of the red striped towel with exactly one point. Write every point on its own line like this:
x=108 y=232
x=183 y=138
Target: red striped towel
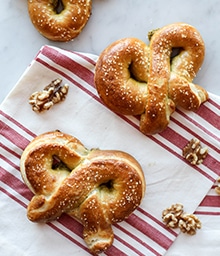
x=170 y=179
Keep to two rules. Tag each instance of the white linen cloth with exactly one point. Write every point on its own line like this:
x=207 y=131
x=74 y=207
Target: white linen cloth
x=170 y=179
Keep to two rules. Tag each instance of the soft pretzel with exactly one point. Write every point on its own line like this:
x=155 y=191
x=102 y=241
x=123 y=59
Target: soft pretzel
x=135 y=79
x=59 y=25
x=98 y=187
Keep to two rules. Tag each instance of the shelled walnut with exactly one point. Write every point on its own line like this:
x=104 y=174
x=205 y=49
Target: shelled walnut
x=217 y=188
x=194 y=152
x=175 y=217
x=189 y=223
x=51 y=94
x=172 y=214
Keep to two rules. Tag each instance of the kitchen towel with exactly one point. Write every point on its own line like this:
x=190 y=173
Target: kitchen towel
x=169 y=178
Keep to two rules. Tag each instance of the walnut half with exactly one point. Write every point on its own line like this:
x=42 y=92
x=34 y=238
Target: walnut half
x=217 y=188
x=172 y=214
x=51 y=94
x=189 y=223
x=175 y=217
x=194 y=152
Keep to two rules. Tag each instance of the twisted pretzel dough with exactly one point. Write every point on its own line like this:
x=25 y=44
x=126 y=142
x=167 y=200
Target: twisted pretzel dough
x=135 y=79
x=98 y=187
x=59 y=26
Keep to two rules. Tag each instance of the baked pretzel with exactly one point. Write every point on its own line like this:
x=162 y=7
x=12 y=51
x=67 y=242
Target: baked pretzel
x=135 y=79
x=59 y=20
x=98 y=187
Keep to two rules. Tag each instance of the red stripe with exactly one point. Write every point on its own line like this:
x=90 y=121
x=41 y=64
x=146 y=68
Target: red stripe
x=180 y=141
x=13 y=197
x=196 y=167
x=214 y=103
x=113 y=251
x=83 y=56
x=197 y=124
x=147 y=214
x=129 y=246
x=69 y=78
x=211 y=201
x=60 y=231
x=13 y=136
x=150 y=231
x=210 y=145
x=209 y=115
x=10 y=150
x=207 y=213
x=77 y=228
x=71 y=224
x=9 y=162
x=14 y=183
x=68 y=63
x=17 y=124
x=174 y=137
x=137 y=239
x=49 y=224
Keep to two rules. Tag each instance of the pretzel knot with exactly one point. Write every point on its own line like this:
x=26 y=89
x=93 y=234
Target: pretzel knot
x=135 y=79
x=98 y=187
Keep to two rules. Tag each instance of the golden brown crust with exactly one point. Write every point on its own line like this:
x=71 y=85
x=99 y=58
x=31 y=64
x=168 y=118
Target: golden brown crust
x=98 y=187
x=113 y=79
x=135 y=79
x=63 y=26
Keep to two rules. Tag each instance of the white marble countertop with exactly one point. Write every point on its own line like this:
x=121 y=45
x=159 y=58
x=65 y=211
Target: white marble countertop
x=110 y=20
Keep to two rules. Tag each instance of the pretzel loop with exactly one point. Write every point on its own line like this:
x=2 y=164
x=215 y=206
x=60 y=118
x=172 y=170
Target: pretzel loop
x=98 y=187
x=135 y=79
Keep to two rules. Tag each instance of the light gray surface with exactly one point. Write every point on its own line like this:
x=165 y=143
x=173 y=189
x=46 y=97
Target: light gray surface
x=110 y=20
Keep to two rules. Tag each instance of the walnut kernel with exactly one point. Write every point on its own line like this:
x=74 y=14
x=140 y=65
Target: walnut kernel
x=217 y=188
x=51 y=94
x=172 y=214
x=194 y=153
x=189 y=223
x=175 y=217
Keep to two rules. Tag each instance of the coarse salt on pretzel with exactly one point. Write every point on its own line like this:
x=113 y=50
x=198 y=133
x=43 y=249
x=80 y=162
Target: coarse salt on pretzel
x=135 y=79
x=59 y=20
x=97 y=187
